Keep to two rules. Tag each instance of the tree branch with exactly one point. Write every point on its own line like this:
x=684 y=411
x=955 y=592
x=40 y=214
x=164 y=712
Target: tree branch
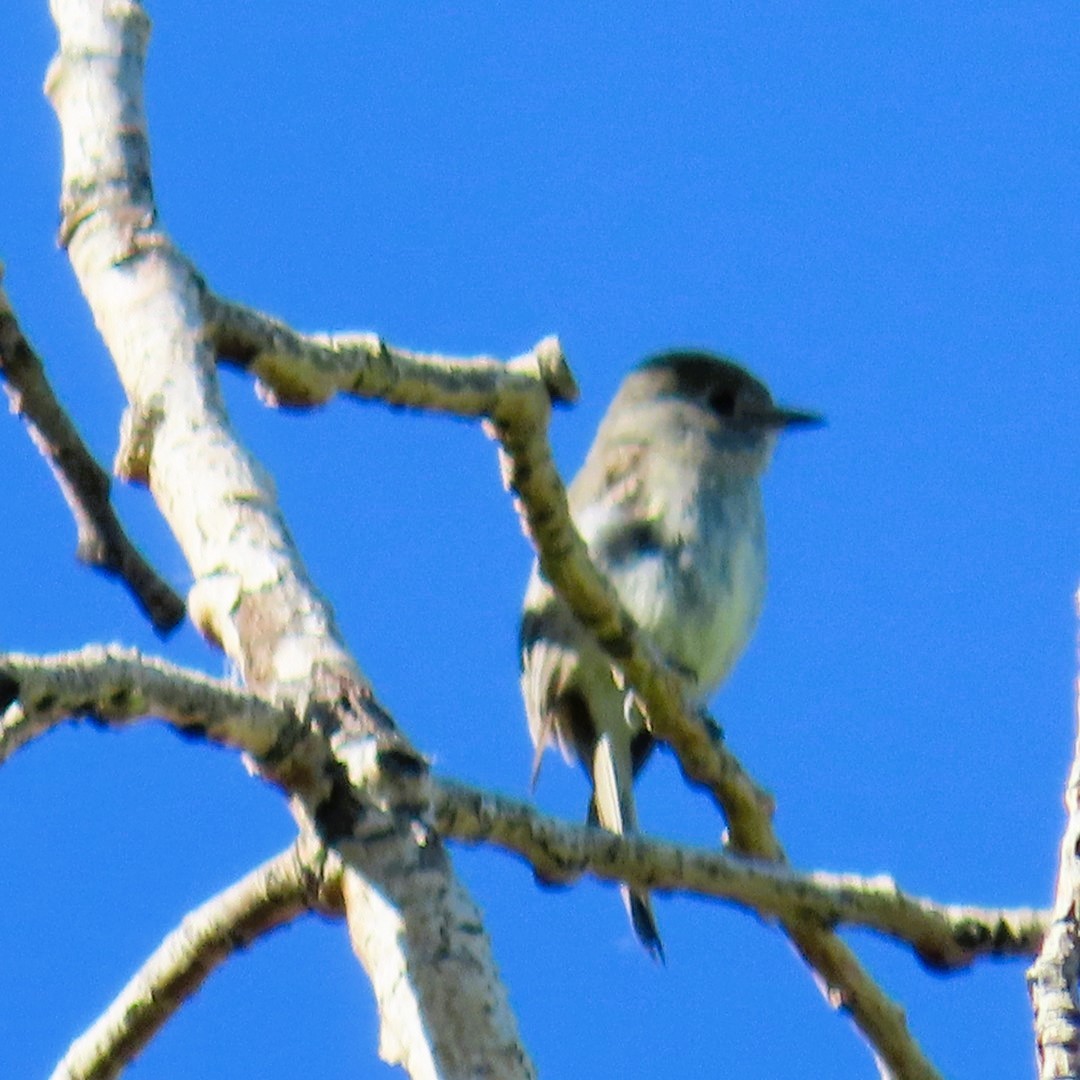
x=298 y=880
x=944 y=936
x=117 y=686
x=705 y=761
x=84 y=484
x=418 y=933
x=303 y=370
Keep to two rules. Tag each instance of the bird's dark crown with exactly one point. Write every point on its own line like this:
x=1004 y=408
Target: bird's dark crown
x=720 y=382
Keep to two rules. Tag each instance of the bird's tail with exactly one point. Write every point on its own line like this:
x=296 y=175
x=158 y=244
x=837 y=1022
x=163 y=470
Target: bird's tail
x=613 y=799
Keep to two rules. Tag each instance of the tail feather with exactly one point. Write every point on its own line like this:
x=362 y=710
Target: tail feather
x=613 y=802
x=644 y=922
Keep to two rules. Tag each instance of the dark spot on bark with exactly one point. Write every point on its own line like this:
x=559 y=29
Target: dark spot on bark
x=9 y=690
x=337 y=815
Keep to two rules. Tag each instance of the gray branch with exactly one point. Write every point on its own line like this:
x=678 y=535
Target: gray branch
x=443 y=1010
x=943 y=936
x=120 y=686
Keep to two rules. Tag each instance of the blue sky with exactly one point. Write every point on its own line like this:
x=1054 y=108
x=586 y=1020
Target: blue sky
x=872 y=206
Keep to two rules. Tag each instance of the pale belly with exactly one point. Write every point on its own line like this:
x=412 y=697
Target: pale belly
x=699 y=592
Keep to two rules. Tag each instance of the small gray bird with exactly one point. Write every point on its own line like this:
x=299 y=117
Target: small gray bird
x=669 y=503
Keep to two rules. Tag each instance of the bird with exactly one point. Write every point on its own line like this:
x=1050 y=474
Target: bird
x=669 y=505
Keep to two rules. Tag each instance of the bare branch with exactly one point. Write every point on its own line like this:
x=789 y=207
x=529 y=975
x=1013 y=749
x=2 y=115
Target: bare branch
x=301 y=879
x=252 y=593
x=114 y=685
x=308 y=369
x=1054 y=978
x=118 y=686
x=84 y=484
x=944 y=936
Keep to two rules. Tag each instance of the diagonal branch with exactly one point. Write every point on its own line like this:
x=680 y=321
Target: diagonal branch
x=84 y=484
x=530 y=474
x=301 y=879
x=414 y=927
x=540 y=498
x=697 y=744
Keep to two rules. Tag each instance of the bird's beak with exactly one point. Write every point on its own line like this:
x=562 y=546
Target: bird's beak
x=785 y=418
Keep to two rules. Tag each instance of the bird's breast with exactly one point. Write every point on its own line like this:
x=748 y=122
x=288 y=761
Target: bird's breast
x=696 y=579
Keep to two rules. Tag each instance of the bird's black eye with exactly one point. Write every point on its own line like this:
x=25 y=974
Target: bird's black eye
x=722 y=401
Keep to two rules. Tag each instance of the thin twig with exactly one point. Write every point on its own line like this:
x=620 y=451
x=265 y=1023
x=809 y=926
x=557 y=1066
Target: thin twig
x=704 y=759
x=102 y=542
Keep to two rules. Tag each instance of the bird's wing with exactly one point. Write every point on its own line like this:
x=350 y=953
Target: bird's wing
x=604 y=504
x=617 y=489
x=550 y=641
x=612 y=510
